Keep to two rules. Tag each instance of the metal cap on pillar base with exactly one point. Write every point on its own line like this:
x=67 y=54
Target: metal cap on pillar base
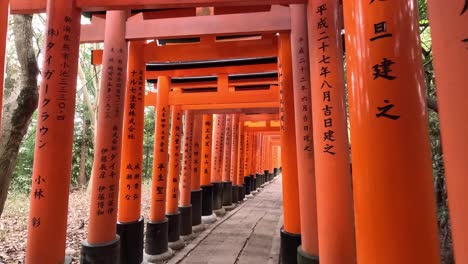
x=217 y=195
x=156 y=244
x=305 y=258
x=208 y=217
x=105 y=253
x=247 y=185
x=218 y=199
x=196 y=199
x=241 y=189
x=131 y=241
x=227 y=196
x=186 y=223
x=289 y=244
x=235 y=194
x=275 y=172
x=175 y=242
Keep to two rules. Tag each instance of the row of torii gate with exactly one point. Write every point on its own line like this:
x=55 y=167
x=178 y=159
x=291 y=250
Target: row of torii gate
x=245 y=65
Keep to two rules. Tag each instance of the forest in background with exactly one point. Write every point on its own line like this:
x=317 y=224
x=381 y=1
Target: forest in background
x=86 y=115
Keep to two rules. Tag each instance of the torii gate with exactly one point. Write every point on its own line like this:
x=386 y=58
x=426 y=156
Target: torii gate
x=379 y=222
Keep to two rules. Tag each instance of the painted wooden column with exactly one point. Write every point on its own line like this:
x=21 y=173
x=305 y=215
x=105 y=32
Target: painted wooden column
x=233 y=170
x=254 y=159
x=47 y=225
x=219 y=123
x=308 y=251
x=450 y=54
x=102 y=244
x=130 y=224
x=156 y=243
x=392 y=168
x=240 y=161
x=291 y=231
x=196 y=194
x=172 y=195
x=226 y=169
x=332 y=163
x=185 y=205
x=3 y=39
x=205 y=172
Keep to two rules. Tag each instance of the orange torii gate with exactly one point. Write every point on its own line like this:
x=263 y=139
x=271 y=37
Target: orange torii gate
x=381 y=119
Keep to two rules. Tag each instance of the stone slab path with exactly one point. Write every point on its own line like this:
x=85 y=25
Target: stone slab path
x=248 y=234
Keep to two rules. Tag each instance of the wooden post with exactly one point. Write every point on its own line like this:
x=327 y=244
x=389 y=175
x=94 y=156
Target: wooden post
x=196 y=195
x=233 y=171
x=185 y=206
x=219 y=123
x=106 y=170
x=156 y=244
x=172 y=195
x=47 y=225
x=291 y=231
x=226 y=169
x=392 y=169
x=130 y=223
x=450 y=54
x=240 y=161
x=332 y=163
x=205 y=172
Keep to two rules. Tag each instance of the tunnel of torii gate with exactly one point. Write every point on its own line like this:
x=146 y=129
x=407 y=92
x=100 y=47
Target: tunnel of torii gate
x=236 y=94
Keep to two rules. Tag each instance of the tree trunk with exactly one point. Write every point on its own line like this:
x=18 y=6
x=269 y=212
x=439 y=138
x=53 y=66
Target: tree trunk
x=20 y=105
x=82 y=174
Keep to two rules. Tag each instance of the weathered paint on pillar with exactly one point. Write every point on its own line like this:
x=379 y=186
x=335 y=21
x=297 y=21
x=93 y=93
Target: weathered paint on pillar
x=50 y=185
x=449 y=31
x=392 y=169
x=3 y=35
x=186 y=181
x=207 y=134
x=288 y=138
x=332 y=163
x=160 y=152
x=226 y=173
x=235 y=150
x=106 y=169
x=219 y=122
x=132 y=137
x=172 y=195
x=196 y=151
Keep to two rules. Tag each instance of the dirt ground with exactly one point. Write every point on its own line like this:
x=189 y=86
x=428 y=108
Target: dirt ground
x=13 y=224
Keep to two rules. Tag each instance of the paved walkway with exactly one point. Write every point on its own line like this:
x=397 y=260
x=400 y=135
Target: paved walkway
x=248 y=234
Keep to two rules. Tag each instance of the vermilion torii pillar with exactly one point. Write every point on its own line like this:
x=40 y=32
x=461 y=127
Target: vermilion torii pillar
x=130 y=223
x=392 y=169
x=450 y=53
x=172 y=197
x=47 y=223
x=291 y=231
x=226 y=168
x=196 y=195
x=234 y=158
x=219 y=124
x=332 y=164
x=185 y=206
x=248 y=177
x=240 y=161
x=102 y=244
x=3 y=35
x=156 y=244
x=205 y=173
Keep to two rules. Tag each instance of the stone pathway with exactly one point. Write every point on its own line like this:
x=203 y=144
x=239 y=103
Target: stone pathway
x=248 y=234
